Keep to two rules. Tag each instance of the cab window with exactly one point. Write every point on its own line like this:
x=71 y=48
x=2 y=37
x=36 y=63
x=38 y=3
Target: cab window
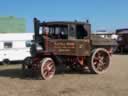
x=58 y=32
x=81 y=32
x=72 y=33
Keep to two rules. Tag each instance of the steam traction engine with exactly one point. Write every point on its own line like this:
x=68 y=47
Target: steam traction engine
x=68 y=43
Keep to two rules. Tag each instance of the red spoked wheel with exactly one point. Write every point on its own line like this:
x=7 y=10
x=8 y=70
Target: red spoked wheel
x=47 y=68
x=100 y=61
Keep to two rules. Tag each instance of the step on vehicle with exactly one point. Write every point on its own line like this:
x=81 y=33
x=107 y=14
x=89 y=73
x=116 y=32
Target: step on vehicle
x=68 y=43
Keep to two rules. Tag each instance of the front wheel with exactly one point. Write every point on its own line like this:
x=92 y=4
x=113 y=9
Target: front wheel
x=47 y=68
x=99 y=61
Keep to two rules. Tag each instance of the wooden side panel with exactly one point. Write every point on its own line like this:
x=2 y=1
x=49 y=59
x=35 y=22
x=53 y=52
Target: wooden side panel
x=62 y=47
x=70 y=47
x=83 y=47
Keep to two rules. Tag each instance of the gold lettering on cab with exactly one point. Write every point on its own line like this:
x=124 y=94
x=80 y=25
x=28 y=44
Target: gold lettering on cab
x=64 y=45
x=64 y=50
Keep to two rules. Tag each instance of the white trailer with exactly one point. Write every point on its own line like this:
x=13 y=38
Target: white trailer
x=15 y=46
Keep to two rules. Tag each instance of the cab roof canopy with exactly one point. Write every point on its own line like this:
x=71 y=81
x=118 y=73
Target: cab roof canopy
x=62 y=23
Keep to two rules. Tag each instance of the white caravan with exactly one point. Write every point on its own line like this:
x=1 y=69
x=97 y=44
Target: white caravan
x=15 y=46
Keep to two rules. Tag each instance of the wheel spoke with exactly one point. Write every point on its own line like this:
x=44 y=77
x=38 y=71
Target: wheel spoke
x=50 y=66
x=45 y=73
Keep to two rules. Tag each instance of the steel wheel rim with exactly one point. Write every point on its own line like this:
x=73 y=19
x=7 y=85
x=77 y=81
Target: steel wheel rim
x=100 y=61
x=48 y=69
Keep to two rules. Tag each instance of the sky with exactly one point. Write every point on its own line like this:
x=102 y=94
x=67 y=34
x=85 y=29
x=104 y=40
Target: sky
x=106 y=15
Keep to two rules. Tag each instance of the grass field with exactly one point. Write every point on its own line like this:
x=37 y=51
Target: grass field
x=112 y=83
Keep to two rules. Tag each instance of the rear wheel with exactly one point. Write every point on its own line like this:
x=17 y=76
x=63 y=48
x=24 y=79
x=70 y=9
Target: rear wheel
x=47 y=68
x=99 y=61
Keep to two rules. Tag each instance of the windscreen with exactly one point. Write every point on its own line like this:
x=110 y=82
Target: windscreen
x=57 y=32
